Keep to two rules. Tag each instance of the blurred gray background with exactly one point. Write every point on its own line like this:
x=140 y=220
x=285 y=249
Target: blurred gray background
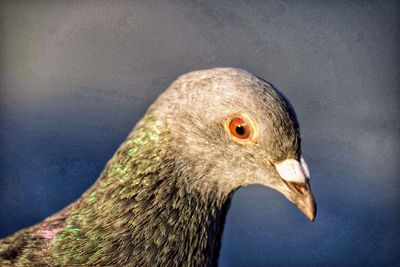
x=77 y=75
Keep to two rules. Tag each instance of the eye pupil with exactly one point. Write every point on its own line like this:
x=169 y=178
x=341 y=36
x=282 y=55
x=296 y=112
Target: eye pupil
x=240 y=130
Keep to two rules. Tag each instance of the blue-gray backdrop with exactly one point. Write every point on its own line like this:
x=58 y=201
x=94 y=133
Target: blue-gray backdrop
x=77 y=75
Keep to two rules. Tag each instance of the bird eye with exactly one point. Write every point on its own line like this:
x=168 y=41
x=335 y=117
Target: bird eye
x=241 y=127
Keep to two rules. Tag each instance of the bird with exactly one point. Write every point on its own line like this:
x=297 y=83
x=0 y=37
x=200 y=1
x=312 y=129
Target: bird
x=163 y=197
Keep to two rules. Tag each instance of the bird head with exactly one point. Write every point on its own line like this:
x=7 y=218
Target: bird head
x=229 y=129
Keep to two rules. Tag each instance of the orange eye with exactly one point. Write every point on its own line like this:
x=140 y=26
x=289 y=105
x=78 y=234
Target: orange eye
x=240 y=128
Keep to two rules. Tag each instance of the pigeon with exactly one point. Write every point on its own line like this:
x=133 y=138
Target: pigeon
x=162 y=198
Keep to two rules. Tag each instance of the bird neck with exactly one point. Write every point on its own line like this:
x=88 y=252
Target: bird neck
x=144 y=210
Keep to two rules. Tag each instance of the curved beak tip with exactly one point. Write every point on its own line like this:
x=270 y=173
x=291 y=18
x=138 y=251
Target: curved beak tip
x=302 y=197
x=308 y=207
x=311 y=214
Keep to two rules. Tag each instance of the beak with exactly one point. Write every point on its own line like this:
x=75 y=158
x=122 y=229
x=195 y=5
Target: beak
x=302 y=197
x=294 y=185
